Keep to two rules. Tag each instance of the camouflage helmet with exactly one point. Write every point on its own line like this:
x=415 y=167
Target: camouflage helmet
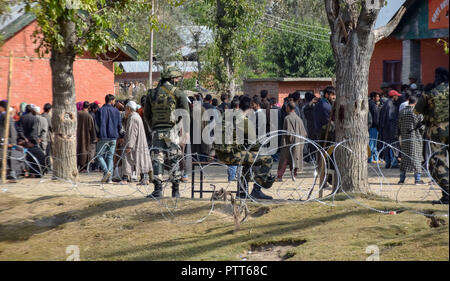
x=171 y=72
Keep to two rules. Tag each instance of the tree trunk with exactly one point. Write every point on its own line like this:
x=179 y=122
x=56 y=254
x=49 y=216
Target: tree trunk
x=228 y=62
x=196 y=36
x=351 y=114
x=231 y=84
x=64 y=118
x=353 y=39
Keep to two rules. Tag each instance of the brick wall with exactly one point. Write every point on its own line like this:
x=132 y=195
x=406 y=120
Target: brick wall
x=253 y=88
x=287 y=88
x=280 y=90
x=32 y=75
x=432 y=56
x=386 y=49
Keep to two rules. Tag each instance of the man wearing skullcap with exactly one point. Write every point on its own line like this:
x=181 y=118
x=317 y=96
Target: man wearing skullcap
x=137 y=154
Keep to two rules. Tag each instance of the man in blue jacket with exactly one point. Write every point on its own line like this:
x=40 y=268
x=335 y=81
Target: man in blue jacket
x=322 y=109
x=109 y=129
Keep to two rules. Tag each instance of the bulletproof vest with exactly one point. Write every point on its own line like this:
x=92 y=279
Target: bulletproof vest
x=163 y=103
x=438 y=103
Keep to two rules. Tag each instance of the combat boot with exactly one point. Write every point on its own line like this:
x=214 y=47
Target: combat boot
x=175 y=190
x=258 y=194
x=157 y=193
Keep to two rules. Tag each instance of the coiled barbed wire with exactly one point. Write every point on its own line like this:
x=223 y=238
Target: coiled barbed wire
x=301 y=193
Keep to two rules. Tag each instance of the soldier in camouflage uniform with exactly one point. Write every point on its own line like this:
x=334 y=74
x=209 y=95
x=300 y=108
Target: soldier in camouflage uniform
x=158 y=112
x=433 y=105
x=235 y=153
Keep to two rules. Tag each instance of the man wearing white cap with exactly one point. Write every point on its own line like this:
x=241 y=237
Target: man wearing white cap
x=136 y=154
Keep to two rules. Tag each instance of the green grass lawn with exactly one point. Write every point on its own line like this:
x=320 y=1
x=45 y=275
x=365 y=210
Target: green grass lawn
x=142 y=229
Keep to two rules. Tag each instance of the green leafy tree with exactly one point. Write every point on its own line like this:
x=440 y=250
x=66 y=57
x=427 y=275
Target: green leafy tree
x=67 y=29
x=293 y=55
x=233 y=25
x=138 y=23
x=299 y=10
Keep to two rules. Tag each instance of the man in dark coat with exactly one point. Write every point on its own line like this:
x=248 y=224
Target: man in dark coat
x=375 y=106
x=207 y=102
x=388 y=129
x=225 y=103
x=307 y=110
x=86 y=136
x=27 y=127
x=322 y=110
x=14 y=165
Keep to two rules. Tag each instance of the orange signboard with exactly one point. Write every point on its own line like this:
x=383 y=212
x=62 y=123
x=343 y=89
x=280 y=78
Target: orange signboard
x=437 y=14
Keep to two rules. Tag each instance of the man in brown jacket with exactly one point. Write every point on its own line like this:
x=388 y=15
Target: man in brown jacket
x=291 y=153
x=86 y=136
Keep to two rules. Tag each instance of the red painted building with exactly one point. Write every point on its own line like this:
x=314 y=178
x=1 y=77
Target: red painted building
x=31 y=77
x=412 y=49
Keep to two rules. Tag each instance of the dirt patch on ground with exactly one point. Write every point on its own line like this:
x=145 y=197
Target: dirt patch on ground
x=272 y=250
x=260 y=212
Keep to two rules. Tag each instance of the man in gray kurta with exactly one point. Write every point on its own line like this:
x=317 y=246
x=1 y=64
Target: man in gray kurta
x=137 y=154
x=291 y=154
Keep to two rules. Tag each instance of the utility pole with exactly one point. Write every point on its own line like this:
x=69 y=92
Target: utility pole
x=150 y=65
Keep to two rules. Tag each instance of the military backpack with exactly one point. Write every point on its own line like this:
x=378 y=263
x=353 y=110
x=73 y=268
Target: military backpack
x=163 y=103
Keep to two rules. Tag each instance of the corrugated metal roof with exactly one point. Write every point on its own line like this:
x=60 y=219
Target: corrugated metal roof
x=16 y=11
x=142 y=66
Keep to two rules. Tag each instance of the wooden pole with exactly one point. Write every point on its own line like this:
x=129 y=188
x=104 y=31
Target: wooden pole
x=7 y=118
x=150 y=59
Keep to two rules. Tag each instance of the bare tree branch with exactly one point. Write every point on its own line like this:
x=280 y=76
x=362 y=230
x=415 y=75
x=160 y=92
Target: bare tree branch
x=386 y=30
x=332 y=9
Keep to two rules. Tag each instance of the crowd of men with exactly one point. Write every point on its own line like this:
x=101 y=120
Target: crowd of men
x=123 y=138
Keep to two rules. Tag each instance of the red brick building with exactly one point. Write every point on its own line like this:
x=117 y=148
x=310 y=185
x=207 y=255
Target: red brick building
x=31 y=78
x=282 y=87
x=412 y=49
